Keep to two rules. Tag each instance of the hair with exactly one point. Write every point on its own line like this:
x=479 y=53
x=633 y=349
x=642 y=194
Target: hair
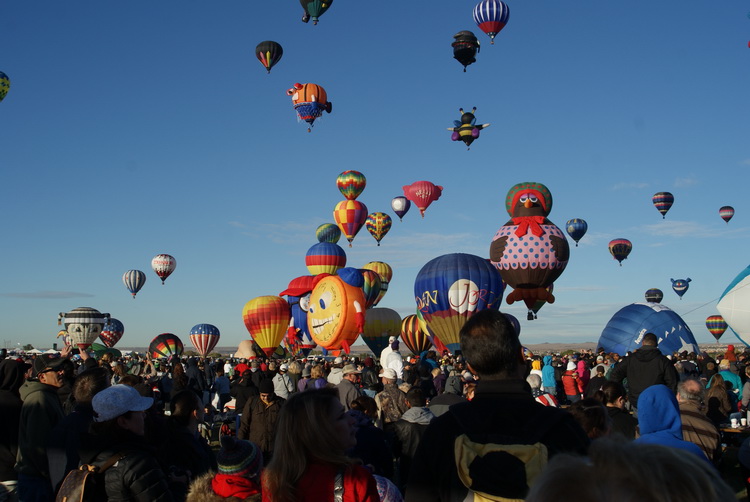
x=219 y=371
x=179 y=377
x=88 y=383
x=650 y=340
x=534 y=380
x=691 y=389
x=416 y=398
x=119 y=370
x=183 y=404
x=627 y=471
x=304 y=434
x=490 y=345
x=131 y=380
x=317 y=371
x=295 y=368
x=366 y=405
x=600 y=370
x=610 y=392
x=592 y=416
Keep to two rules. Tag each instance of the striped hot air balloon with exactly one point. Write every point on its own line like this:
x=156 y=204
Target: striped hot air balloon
x=204 y=338
x=654 y=295
x=112 y=332
x=491 y=16
x=350 y=216
x=716 y=325
x=378 y=224
x=328 y=232
x=134 y=281
x=325 y=257
x=83 y=325
x=380 y=324
x=663 y=201
x=620 y=249
x=726 y=213
x=267 y=319
x=371 y=287
x=351 y=184
x=165 y=345
x=413 y=336
x=386 y=274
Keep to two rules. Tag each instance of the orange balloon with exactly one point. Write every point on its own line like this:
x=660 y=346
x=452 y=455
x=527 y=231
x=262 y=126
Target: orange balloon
x=336 y=314
x=267 y=319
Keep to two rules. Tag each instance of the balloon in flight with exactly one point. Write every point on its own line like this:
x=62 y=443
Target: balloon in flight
x=378 y=224
x=204 y=338
x=466 y=129
x=716 y=325
x=465 y=48
x=726 y=213
x=269 y=53
x=576 y=229
x=620 y=249
x=350 y=216
x=309 y=101
x=654 y=295
x=314 y=9
x=325 y=257
x=680 y=286
x=400 y=206
x=134 y=281
x=663 y=201
x=422 y=193
x=328 y=232
x=4 y=85
x=163 y=265
x=491 y=16
x=112 y=332
x=351 y=184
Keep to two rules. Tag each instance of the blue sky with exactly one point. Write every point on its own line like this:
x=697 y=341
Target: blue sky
x=138 y=128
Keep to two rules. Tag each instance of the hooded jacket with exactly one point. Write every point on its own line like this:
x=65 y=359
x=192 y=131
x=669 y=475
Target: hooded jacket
x=548 y=373
x=452 y=395
x=659 y=420
x=40 y=413
x=645 y=367
x=11 y=379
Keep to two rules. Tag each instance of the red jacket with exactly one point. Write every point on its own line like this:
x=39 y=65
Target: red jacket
x=316 y=485
x=571 y=383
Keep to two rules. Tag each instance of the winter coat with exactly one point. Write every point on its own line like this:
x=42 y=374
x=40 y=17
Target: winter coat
x=548 y=373
x=181 y=449
x=452 y=395
x=409 y=431
x=317 y=485
x=259 y=421
x=11 y=379
x=40 y=412
x=372 y=447
x=622 y=422
x=645 y=367
x=348 y=392
x=572 y=383
x=335 y=376
x=283 y=385
x=65 y=440
x=201 y=491
x=242 y=390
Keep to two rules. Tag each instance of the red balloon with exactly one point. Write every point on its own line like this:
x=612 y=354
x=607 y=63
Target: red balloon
x=422 y=193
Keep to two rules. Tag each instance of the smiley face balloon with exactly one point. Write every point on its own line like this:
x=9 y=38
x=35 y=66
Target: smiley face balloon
x=336 y=314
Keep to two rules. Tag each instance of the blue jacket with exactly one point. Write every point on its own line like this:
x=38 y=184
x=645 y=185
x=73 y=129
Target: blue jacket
x=548 y=373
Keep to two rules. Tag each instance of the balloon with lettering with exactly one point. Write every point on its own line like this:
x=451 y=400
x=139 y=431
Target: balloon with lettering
x=680 y=286
x=451 y=288
x=734 y=305
x=371 y=286
x=726 y=213
x=4 y=85
x=422 y=194
x=576 y=229
x=654 y=295
x=298 y=295
x=413 y=336
x=337 y=310
x=112 y=332
x=163 y=265
x=309 y=101
x=269 y=53
x=491 y=16
x=380 y=324
x=325 y=258
x=351 y=184
x=134 y=281
x=620 y=249
x=314 y=9
x=386 y=274
x=165 y=345
x=350 y=216
x=84 y=325
x=624 y=332
x=530 y=251
x=716 y=325
x=663 y=201
x=266 y=319
x=204 y=338
x=328 y=232
x=400 y=206
x=378 y=224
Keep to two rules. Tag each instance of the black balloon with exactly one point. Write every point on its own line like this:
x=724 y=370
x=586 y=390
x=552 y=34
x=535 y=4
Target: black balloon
x=465 y=47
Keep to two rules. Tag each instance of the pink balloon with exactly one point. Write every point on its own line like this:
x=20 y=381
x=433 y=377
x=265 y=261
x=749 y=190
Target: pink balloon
x=422 y=193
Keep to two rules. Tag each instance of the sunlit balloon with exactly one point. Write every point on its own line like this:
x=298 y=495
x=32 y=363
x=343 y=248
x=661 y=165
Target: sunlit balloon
x=325 y=258
x=112 y=332
x=204 y=338
x=266 y=319
x=726 y=213
x=400 y=206
x=84 y=325
x=576 y=229
x=4 y=85
x=371 y=286
x=309 y=101
x=328 y=232
x=378 y=224
x=350 y=216
x=465 y=48
x=269 y=53
x=380 y=324
x=663 y=201
x=134 y=281
x=415 y=339
x=716 y=325
x=734 y=305
x=298 y=295
x=163 y=265
x=351 y=184
x=314 y=9
x=491 y=16
x=620 y=249
x=165 y=345
x=680 y=286
x=422 y=194
x=386 y=274
x=337 y=310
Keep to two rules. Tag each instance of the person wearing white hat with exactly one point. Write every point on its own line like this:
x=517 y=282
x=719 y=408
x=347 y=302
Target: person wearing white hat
x=282 y=383
x=336 y=374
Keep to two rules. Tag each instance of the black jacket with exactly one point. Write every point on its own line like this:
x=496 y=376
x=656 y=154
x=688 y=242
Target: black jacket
x=11 y=378
x=645 y=367
x=242 y=390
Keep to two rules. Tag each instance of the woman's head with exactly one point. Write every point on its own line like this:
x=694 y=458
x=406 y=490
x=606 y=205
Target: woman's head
x=123 y=407
x=612 y=394
x=317 y=371
x=592 y=416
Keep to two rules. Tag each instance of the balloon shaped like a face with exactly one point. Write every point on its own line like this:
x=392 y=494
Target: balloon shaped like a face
x=84 y=325
x=336 y=313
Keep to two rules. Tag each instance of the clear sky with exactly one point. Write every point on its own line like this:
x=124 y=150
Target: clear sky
x=138 y=128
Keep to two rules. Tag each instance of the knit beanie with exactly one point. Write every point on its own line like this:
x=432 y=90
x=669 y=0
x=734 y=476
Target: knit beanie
x=238 y=457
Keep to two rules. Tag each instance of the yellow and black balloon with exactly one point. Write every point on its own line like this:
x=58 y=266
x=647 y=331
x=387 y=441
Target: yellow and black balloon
x=466 y=129
x=4 y=85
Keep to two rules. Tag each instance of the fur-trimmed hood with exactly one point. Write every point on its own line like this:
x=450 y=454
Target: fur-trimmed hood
x=201 y=491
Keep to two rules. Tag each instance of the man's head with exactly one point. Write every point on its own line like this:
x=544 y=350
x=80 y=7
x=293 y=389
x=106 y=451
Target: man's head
x=187 y=408
x=48 y=370
x=415 y=398
x=490 y=345
x=388 y=375
x=265 y=389
x=689 y=390
x=649 y=339
x=351 y=373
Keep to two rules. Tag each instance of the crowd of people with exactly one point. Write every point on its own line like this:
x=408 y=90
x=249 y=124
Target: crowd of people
x=487 y=422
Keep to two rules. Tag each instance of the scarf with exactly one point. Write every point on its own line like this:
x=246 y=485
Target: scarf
x=227 y=485
x=526 y=223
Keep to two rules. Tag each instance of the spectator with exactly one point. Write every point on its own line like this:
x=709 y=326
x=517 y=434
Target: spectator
x=347 y=387
x=592 y=416
x=696 y=426
x=572 y=384
x=11 y=378
x=409 y=431
x=260 y=417
x=453 y=394
x=282 y=383
x=596 y=382
x=372 y=447
x=613 y=395
x=336 y=375
x=238 y=476
x=536 y=391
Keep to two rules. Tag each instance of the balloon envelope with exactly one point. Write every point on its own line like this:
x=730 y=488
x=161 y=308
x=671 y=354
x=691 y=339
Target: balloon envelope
x=4 y=85
x=298 y=296
x=165 y=345
x=734 y=305
x=576 y=229
x=350 y=215
x=163 y=265
x=380 y=324
x=371 y=286
x=351 y=184
x=112 y=332
x=654 y=295
x=422 y=193
x=400 y=206
x=716 y=325
x=680 y=286
x=134 y=281
x=624 y=332
x=337 y=305
x=491 y=16
x=269 y=53
x=328 y=232
x=84 y=325
x=451 y=288
x=204 y=338
x=726 y=213
x=620 y=249
x=378 y=224
x=325 y=258
x=663 y=201
x=413 y=336
x=267 y=319
x=386 y=274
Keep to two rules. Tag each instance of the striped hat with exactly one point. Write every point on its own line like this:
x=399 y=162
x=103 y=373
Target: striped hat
x=238 y=457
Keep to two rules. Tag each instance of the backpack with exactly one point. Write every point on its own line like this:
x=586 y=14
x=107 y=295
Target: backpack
x=86 y=484
x=495 y=466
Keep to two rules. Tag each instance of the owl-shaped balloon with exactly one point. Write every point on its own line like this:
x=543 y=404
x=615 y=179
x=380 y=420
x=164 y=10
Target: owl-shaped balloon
x=529 y=250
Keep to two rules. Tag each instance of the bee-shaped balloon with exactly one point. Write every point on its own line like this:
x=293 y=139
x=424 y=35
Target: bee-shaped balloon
x=466 y=129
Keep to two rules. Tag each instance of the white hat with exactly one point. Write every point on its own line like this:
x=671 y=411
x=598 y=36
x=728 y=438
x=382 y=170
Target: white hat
x=571 y=366
x=117 y=400
x=388 y=373
x=391 y=339
x=338 y=360
x=349 y=369
x=284 y=367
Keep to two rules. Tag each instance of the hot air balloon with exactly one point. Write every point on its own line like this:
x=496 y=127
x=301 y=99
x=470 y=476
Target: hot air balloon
x=269 y=53
x=680 y=286
x=337 y=310
x=351 y=184
x=620 y=249
x=380 y=324
x=314 y=9
x=371 y=287
x=466 y=129
x=310 y=101
x=726 y=213
x=412 y=335
x=537 y=305
x=112 y=332
x=465 y=48
x=378 y=224
x=400 y=206
x=624 y=332
x=4 y=85
x=451 y=288
x=386 y=274
x=204 y=338
x=734 y=305
x=267 y=319
x=491 y=16
x=163 y=265
x=654 y=295
x=165 y=345
x=663 y=201
x=514 y=321
x=328 y=232
x=434 y=340
x=83 y=325
x=576 y=229
x=325 y=258
x=530 y=251
x=350 y=215
x=298 y=295
x=134 y=281
x=716 y=325
x=422 y=193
